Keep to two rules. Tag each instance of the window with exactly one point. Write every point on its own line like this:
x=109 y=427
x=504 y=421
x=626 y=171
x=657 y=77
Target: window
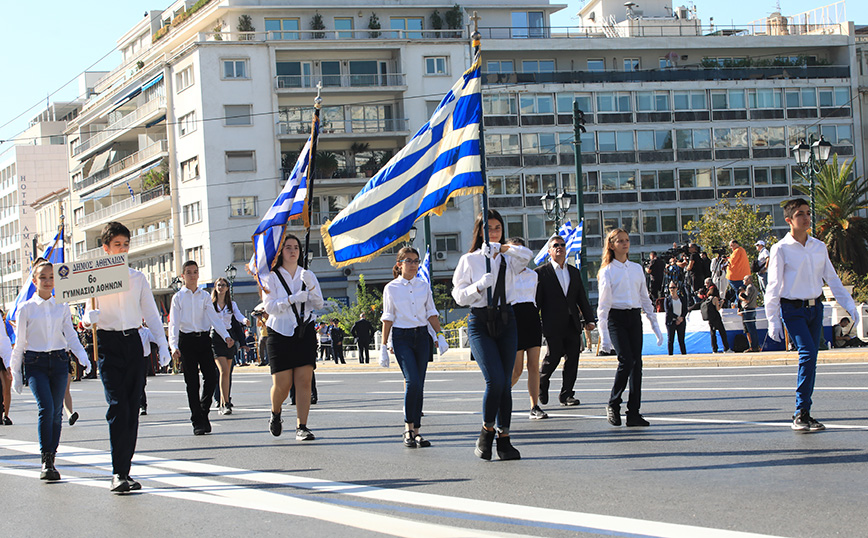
x=78 y=214
x=538 y=66
x=197 y=254
x=733 y=177
x=694 y=100
x=839 y=135
x=776 y=175
x=446 y=243
x=613 y=102
x=693 y=138
x=497 y=104
x=540 y=183
x=727 y=100
x=730 y=138
x=298 y=75
x=566 y=143
x=190 y=169
x=537 y=103
x=192 y=213
x=652 y=101
x=236 y=69
x=184 y=79
x=615 y=141
x=242 y=252
x=626 y=220
x=631 y=64
x=237 y=115
x=664 y=63
x=242 y=206
x=499 y=66
x=502 y=144
x=764 y=98
x=514 y=226
x=538 y=144
x=408 y=24
x=618 y=181
x=504 y=185
x=798 y=134
x=240 y=161
x=435 y=65
x=659 y=220
x=834 y=96
x=79 y=247
x=767 y=137
x=693 y=179
x=657 y=180
x=801 y=98
x=528 y=24
x=596 y=65
x=584 y=100
x=187 y=124
x=344 y=27
x=687 y=215
x=282 y=28
x=654 y=140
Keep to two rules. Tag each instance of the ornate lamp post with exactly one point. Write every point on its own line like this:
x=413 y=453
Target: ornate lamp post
x=556 y=207
x=412 y=235
x=231 y=271
x=810 y=158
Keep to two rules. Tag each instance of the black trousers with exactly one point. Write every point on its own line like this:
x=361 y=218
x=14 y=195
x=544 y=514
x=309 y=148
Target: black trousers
x=196 y=354
x=122 y=370
x=364 y=353
x=338 y=354
x=625 y=330
x=716 y=324
x=568 y=345
x=677 y=330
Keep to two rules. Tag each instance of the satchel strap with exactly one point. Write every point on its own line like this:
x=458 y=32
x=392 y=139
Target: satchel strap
x=298 y=317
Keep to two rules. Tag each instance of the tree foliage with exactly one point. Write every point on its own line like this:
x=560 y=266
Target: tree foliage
x=369 y=302
x=731 y=219
x=838 y=198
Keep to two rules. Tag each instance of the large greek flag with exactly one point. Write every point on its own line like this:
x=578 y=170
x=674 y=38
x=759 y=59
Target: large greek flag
x=291 y=202
x=53 y=253
x=441 y=161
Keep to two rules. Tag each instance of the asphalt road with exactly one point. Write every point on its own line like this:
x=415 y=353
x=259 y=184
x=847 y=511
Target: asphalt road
x=718 y=460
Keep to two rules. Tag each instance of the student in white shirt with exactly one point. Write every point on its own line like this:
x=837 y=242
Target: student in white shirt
x=44 y=334
x=190 y=321
x=290 y=295
x=224 y=355
x=408 y=310
x=798 y=265
x=522 y=297
x=492 y=332
x=122 y=363
x=623 y=296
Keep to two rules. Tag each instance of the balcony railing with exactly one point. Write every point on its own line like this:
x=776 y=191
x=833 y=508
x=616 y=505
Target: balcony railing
x=341 y=81
x=124 y=205
x=143 y=240
x=653 y=27
x=345 y=126
x=9 y=269
x=330 y=35
x=130 y=161
x=125 y=122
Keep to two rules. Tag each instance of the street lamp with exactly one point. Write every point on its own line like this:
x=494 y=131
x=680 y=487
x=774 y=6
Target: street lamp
x=810 y=160
x=412 y=235
x=231 y=271
x=556 y=207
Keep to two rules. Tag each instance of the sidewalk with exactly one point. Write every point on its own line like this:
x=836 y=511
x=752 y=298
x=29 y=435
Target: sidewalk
x=459 y=359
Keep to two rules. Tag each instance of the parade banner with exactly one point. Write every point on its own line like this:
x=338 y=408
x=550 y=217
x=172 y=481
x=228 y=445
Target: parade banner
x=84 y=279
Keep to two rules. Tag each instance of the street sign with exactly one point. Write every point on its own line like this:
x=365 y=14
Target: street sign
x=79 y=280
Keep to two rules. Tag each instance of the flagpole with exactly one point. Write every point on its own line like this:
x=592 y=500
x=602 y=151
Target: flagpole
x=475 y=43
x=317 y=105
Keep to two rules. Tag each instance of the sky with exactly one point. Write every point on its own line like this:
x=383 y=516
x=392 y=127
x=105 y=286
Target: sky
x=42 y=61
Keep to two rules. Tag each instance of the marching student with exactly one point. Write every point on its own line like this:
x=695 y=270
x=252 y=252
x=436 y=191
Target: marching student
x=122 y=362
x=798 y=265
x=623 y=296
x=224 y=355
x=408 y=310
x=522 y=297
x=6 y=376
x=292 y=338
x=44 y=334
x=492 y=330
x=191 y=318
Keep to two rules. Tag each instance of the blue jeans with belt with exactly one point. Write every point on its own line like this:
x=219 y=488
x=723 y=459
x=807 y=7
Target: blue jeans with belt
x=412 y=348
x=749 y=320
x=495 y=357
x=805 y=325
x=47 y=374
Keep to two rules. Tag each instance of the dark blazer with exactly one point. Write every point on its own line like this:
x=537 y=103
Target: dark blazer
x=363 y=331
x=672 y=316
x=337 y=334
x=554 y=305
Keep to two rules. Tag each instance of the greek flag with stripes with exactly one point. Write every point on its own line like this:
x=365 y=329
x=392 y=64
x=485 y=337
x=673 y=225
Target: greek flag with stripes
x=53 y=253
x=424 y=272
x=441 y=161
x=564 y=231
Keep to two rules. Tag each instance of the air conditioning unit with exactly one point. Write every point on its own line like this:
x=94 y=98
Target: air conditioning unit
x=440 y=256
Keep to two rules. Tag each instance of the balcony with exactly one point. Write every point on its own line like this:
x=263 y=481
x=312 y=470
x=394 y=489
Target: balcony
x=360 y=127
x=107 y=213
x=114 y=129
x=294 y=36
x=160 y=280
x=143 y=241
x=123 y=165
x=10 y=269
x=646 y=27
x=341 y=81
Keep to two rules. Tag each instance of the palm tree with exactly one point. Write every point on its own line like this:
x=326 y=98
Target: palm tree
x=839 y=198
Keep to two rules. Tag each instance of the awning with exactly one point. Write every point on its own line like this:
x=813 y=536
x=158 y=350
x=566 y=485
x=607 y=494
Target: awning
x=125 y=99
x=100 y=162
x=156 y=121
x=151 y=167
x=151 y=82
x=97 y=194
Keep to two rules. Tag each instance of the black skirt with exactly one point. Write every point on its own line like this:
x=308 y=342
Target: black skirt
x=528 y=324
x=288 y=352
x=218 y=345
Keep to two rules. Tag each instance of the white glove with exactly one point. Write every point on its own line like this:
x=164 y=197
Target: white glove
x=659 y=339
x=442 y=345
x=486 y=281
x=307 y=278
x=490 y=250
x=300 y=297
x=856 y=315
x=17 y=382
x=86 y=364
x=92 y=317
x=776 y=331
x=164 y=356
x=384 y=356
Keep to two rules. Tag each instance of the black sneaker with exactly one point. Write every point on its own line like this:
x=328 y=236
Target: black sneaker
x=637 y=420
x=570 y=401
x=613 y=415
x=803 y=422
x=304 y=434
x=134 y=484
x=537 y=414
x=73 y=418
x=275 y=425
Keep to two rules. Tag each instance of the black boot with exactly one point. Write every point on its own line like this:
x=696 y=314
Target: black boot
x=505 y=450
x=48 y=471
x=483 y=444
x=43 y=475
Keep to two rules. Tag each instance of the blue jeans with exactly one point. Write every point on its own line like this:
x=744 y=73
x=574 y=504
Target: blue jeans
x=749 y=321
x=805 y=326
x=495 y=358
x=47 y=374
x=412 y=348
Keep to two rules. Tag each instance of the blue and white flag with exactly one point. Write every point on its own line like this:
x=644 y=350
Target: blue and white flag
x=441 y=161
x=424 y=272
x=291 y=202
x=53 y=253
x=129 y=188
x=564 y=231
x=574 y=243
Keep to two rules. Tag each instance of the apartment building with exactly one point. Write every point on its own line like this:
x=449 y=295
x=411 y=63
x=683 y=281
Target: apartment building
x=189 y=140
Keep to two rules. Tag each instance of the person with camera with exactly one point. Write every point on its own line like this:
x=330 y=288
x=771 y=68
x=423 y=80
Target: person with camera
x=695 y=268
x=655 y=267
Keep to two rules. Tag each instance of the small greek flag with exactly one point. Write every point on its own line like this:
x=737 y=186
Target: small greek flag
x=424 y=272
x=574 y=243
x=53 y=253
x=564 y=231
x=131 y=190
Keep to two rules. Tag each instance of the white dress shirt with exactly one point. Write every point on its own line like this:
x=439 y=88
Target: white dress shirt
x=563 y=274
x=192 y=312
x=408 y=303
x=523 y=289
x=622 y=287
x=798 y=272
x=125 y=310
x=471 y=267
x=44 y=325
x=281 y=318
x=226 y=314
